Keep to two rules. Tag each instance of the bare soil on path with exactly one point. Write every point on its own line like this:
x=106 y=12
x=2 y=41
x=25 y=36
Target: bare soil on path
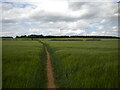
x=50 y=77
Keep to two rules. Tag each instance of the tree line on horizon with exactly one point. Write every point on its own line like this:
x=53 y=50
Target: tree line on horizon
x=51 y=36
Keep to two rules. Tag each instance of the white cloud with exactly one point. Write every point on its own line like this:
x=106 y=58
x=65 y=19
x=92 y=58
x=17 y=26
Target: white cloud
x=59 y=17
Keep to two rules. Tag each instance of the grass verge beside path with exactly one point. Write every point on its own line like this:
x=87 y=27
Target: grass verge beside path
x=85 y=64
x=24 y=64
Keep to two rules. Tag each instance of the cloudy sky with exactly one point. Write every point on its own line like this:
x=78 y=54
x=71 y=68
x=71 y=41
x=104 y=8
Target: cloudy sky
x=59 y=17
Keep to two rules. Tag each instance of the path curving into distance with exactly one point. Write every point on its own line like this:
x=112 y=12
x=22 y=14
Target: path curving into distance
x=50 y=77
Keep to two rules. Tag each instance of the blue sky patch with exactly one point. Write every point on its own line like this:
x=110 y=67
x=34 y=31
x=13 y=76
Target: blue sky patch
x=44 y=28
x=20 y=5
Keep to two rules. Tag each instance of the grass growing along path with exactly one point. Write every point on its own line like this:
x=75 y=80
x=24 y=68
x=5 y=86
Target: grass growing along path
x=92 y=64
x=76 y=64
x=49 y=69
x=23 y=64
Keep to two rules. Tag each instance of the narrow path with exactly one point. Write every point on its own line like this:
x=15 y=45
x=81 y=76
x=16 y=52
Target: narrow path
x=50 y=77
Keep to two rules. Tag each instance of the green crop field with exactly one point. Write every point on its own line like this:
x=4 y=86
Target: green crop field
x=23 y=64
x=76 y=63
x=85 y=64
x=0 y=62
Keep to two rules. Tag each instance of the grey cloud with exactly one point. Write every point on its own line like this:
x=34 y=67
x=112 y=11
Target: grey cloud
x=6 y=7
x=76 y=5
x=56 y=17
x=9 y=21
x=95 y=12
x=13 y=29
x=53 y=17
x=94 y=9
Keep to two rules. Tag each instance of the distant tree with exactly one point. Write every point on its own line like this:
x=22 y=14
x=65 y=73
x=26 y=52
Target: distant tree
x=17 y=37
x=7 y=37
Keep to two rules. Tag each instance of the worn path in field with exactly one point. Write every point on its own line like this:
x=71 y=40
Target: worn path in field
x=50 y=77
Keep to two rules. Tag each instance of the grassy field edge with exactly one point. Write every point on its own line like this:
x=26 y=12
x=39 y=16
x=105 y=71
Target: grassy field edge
x=24 y=69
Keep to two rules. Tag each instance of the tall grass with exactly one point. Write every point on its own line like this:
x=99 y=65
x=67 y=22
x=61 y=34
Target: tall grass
x=0 y=63
x=88 y=64
x=23 y=64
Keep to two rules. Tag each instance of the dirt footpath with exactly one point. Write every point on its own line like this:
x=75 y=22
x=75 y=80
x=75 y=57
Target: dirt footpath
x=50 y=77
